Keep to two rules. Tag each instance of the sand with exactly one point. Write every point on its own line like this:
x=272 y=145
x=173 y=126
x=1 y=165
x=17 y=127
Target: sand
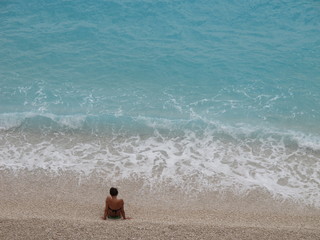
x=42 y=205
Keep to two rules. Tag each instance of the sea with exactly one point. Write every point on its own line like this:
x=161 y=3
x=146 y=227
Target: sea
x=211 y=95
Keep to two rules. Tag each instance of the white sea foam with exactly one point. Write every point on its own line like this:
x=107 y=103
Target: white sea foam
x=205 y=162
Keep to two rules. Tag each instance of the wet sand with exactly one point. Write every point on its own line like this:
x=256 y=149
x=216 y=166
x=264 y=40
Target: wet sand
x=41 y=205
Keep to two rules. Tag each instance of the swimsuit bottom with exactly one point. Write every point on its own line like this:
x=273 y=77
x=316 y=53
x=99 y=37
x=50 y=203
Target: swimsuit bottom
x=114 y=217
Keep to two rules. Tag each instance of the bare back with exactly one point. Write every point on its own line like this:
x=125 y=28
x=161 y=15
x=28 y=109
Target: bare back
x=114 y=203
x=114 y=207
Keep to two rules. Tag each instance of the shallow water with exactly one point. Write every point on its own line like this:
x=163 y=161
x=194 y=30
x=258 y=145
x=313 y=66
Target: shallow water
x=214 y=95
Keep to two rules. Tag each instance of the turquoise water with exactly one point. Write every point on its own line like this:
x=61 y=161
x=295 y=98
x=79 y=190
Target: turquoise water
x=225 y=91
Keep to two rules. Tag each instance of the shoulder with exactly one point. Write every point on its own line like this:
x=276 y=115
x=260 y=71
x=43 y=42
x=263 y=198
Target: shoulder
x=108 y=198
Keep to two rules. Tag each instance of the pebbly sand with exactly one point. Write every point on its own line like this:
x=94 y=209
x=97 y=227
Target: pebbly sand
x=42 y=205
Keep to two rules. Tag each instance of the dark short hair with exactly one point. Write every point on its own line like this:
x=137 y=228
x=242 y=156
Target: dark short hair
x=113 y=191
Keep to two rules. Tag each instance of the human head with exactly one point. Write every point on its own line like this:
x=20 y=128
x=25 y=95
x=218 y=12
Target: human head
x=113 y=192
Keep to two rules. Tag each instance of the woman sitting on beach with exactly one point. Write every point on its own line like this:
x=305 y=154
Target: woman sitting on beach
x=114 y=207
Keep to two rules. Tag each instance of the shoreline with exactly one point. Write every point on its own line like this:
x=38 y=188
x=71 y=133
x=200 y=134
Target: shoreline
x=40 y=205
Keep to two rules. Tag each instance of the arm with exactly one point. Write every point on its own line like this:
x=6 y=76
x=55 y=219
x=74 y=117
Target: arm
x=106 y=210
x=123 y=214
